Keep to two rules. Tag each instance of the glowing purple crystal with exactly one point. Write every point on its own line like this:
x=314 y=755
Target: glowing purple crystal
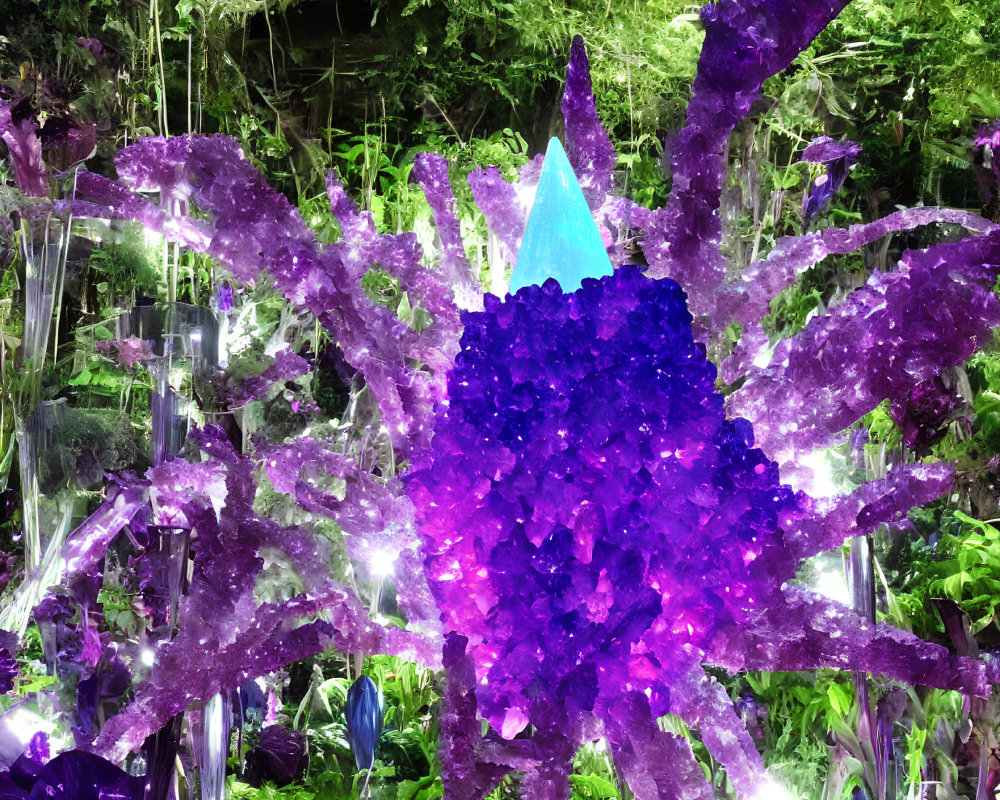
x=587 y=143
x=597 y=530
x=902 y=328
x=254 y=228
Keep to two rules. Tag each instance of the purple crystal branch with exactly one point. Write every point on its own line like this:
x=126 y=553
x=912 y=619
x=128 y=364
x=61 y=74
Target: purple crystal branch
x=835 y=636
x=746 y=42
x=826 y=523
x=745 y=300
x=901 y=329
x=655 y=764
x=593 y=159
x=588 y=145
x=253 y=228
x=285 y=367
x=375 y=515
x=504 y=205
x=86 y=545
x=430 y=171
x=225 y=635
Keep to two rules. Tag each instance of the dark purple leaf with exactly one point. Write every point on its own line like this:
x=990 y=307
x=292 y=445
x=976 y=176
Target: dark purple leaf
x=77 y=775
x=8 y=670
x=26 y=769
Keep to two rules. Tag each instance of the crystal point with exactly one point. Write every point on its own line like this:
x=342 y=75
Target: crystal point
x=561 y=239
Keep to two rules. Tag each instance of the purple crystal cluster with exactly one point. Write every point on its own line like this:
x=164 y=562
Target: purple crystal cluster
x=590 y=518
x=746 y=42
x=592 y=155
x=596 y=530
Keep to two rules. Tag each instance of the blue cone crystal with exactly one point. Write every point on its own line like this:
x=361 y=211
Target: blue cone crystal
x=364 y=712
x=561 y=239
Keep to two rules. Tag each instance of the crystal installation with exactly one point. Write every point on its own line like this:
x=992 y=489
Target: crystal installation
x=595 y=529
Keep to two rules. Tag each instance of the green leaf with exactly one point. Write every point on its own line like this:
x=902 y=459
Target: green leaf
x=841 y=697
x=594 y=786
x=82 y=379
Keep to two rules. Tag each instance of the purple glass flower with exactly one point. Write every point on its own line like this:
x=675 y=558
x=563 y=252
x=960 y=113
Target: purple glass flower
x=364 y=712
x=224 y=297
x=987 y=159
x=838 y=157
x=279 y=756
x=26 y=768
x=109 y=681
x=93 y=46
x=60 y=637
x=8 y=670
x=24 y=149
x=128 y=352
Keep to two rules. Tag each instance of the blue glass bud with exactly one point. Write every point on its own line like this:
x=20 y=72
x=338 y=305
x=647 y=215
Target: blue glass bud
x=364 y=711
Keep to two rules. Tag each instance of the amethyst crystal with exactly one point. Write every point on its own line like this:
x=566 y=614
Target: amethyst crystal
x=255 y=228
x=587 y=143
x=225 y=635
x=597 y=529
x=745 y=43
x=902 y=328
x=430 y=171
x=922 y=415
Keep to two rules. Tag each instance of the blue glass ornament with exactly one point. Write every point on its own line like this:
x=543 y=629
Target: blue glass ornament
x=364 y=711
x=561 y=239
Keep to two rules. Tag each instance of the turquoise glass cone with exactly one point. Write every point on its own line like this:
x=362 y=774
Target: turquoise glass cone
x=561 y=239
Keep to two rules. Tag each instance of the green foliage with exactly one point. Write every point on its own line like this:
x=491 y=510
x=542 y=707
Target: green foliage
x=120 y=612
x=123 y=268
x=912 y=81
x=87 y=443
x=966 y=568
